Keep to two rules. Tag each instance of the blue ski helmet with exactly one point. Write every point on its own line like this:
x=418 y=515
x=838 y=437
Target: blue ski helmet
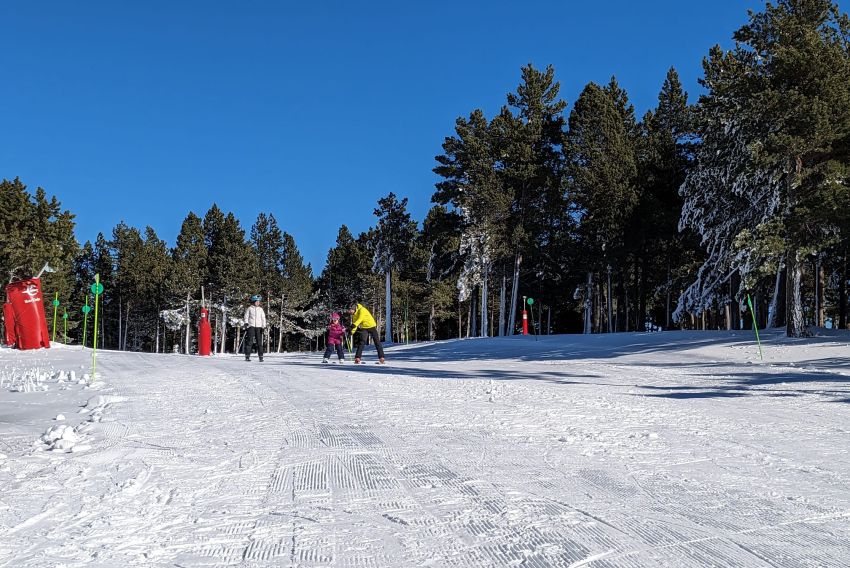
x=256 y=298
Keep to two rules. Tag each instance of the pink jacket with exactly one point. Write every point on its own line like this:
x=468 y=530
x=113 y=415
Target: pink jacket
x=335 y=334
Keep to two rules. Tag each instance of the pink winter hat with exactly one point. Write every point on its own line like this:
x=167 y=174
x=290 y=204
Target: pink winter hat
x=334 y=316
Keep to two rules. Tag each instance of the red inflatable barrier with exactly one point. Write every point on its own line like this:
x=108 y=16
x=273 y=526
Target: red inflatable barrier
x=204 y=333
x=30 y=322
x=9 y=324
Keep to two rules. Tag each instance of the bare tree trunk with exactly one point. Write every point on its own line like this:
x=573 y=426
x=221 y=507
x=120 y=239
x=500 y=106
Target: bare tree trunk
x=596 y=326
x=389 y=308
x=484 y=303
x=642 y=296
x=548 y=320
x=492 y=319
x=514 y=292
x=539 y=318
x=188 y=325
x=773 y=308
x=120 y=323
x=223 y=346
x=502 y=307
x=842 y=293
x=819 y=293
x=473 y=311
x=735 y=305
x=588 y=303
x=667 y=324
x=126 y=326
x=794 y=326
x=280 y=327
x=626 y=301
x=156 y=349
x=609 y=302
x=432 y=332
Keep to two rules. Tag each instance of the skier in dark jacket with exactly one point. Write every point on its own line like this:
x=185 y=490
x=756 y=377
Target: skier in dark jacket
x=336 y=333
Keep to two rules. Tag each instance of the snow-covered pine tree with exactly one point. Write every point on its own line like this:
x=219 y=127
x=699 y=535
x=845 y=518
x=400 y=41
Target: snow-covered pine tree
x=725 y=192
x=781 y=100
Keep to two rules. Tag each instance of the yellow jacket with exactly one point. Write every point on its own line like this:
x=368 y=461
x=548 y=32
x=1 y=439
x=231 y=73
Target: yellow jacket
x=362 y=318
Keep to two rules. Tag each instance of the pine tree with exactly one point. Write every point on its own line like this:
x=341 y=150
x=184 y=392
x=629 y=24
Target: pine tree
x=532 y=166
x=395 y=232
x=232 y=266
x=781 y=101
x=301 y=310
x=664 y=149
x=342 y=278
x=85 y=268
x=268 y=243
x=190 y=258
x=441 y=232
x=190 y=272
x=126 y=248
x=34 y=230
x=473 y=185
x=602 y=173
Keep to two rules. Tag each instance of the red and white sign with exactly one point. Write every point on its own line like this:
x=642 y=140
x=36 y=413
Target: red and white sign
x=31 y=330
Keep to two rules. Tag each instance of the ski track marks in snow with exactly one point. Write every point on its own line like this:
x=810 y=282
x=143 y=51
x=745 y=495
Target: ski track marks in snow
x=680 y=455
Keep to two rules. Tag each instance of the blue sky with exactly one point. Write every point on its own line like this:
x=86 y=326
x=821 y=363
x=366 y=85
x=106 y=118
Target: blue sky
x=311 y=111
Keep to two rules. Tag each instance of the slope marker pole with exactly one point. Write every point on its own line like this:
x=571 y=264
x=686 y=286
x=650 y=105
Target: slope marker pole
x=755 y=325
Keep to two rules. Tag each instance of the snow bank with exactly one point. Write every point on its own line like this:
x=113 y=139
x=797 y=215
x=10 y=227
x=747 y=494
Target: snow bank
x=35 y=378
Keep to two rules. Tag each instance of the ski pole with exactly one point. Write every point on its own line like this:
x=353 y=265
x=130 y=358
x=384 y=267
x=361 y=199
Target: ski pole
x=97 y=288
x=241 y=341
x=755 y=325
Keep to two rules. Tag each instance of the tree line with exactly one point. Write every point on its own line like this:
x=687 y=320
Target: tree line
x=611 y=222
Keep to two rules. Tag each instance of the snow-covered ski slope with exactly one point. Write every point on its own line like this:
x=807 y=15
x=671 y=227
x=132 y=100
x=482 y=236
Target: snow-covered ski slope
x=667 y=449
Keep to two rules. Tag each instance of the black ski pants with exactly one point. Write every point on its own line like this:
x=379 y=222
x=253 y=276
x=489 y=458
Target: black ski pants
x=339 y=352
x=363 y=335
x=251 y=335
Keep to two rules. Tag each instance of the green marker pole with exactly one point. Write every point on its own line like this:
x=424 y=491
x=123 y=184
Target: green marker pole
x=86 y=310
x=755 y=325
x=530 y=302
x=55 y=309
x=65 y=321
x=97 y=289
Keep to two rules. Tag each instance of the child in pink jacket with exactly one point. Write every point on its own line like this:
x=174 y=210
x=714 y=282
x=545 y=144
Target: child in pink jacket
x=336 y=333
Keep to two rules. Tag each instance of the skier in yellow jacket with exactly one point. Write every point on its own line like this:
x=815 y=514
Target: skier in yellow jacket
x=364 y=325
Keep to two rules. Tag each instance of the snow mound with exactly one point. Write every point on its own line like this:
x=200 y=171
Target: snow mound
x=61 y=438
x=101 y=401
x=96 y=405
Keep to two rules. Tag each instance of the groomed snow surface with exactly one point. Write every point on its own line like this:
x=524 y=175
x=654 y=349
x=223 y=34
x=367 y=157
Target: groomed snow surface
x=669 y=449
